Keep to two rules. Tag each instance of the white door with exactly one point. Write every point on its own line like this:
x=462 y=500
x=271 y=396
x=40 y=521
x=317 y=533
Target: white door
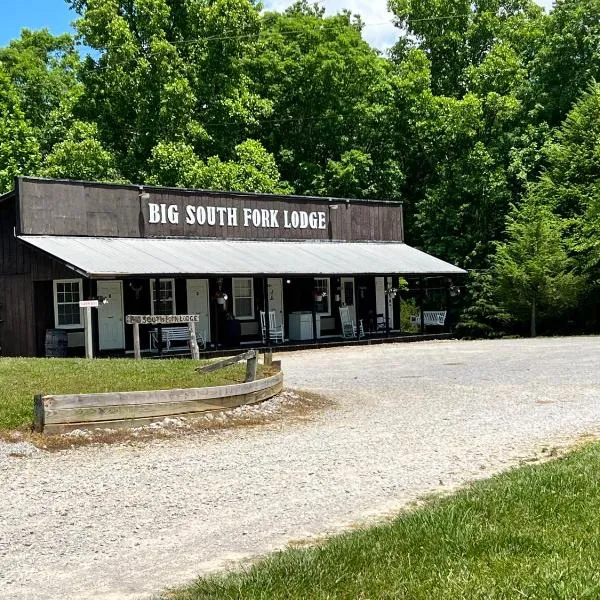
x=198 y=304
x=381 y=283
x=275 y=289
x=348 y=297
x=111 y=333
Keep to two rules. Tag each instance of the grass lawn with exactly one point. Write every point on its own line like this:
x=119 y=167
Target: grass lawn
x=22 y=378
x=530 y=533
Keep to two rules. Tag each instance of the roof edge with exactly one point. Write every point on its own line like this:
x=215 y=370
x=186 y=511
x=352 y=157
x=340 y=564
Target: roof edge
x=135 y=186
x=8 y=195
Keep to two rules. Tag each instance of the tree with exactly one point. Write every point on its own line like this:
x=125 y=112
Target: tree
x=571 y=186
x=43 y=69
x=329 y=92
x=19 y=149
x=482 y=316
x=254 y=169
x=81 y=155
x=568 y=58
x=458 y=35
x=532 y=268
x=168 y=71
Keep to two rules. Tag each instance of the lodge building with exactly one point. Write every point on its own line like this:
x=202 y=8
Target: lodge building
x=229 y=258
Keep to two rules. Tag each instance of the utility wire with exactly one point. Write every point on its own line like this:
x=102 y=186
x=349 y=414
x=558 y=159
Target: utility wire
x=326 y=26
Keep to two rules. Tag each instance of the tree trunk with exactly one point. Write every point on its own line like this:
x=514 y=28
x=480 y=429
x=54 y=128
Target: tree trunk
x=533 y=318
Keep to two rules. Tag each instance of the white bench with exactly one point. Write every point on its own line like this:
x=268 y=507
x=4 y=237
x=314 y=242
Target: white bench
x=430 y=317
x=175 y=334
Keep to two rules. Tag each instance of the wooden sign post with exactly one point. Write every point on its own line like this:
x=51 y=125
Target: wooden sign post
x=87 y=324
x=137 y=320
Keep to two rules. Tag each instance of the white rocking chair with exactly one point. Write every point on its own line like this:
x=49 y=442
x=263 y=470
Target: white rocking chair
x=348 y=325
x=275 y=330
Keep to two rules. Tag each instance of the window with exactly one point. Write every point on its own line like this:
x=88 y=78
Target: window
x=243 y=297
x=67 y=294
x=165 y=305
x=321 y=290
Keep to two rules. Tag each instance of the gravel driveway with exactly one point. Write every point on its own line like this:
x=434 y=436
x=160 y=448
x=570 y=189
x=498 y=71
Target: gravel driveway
x=125 y=521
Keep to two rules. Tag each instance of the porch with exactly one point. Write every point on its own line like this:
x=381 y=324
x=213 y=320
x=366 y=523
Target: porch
x=330 y=293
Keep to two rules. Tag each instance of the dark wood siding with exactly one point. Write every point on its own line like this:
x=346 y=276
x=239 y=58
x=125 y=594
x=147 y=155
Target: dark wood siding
x=24 y=315
x=17 y=337
x=50 y=207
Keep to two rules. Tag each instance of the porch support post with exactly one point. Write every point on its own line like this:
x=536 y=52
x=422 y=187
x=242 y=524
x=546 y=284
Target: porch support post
x=421 y=303
x=399 y=304
x=314 y=312
x=159 y=339
x=447 y=306
x=356 y=307
x=386 y=300
x=266 y=309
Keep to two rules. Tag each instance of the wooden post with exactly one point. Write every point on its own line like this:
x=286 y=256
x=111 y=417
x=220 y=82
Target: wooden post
x=356 y=311
x=251 y=365
x=266 y=309
x=193 y=342
x=268 y=357
x=386 y=298
x=421 y=303
x=89 y=349
x=38 y=413
x=156 y=300
x=399 y=305
x=314 y=313
x=137 y=354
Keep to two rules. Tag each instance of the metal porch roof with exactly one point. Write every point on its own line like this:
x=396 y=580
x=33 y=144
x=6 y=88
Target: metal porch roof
x=110 y=257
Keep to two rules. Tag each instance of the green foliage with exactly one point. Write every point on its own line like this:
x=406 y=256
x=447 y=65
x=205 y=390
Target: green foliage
x=81 y=156
x=571 y=183
x=483 y=317
x=568 y=59
x=459 y=36
x=19 y=149
x=530 y=533
x=408 y=309
x=168 y=72
x=532 y=269
x=254 y=169
x=43 y=69
x=329 y=91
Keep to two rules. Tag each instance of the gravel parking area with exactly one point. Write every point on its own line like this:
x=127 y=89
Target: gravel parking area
x=125 y=521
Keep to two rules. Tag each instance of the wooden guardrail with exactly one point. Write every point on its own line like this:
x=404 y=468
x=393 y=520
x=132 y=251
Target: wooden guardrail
x=118 y=410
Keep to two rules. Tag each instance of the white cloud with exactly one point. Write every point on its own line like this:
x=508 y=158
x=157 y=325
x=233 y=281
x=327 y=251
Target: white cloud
x=379 y=30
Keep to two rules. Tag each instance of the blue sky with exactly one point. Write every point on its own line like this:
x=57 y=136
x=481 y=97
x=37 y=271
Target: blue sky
x=56 y=16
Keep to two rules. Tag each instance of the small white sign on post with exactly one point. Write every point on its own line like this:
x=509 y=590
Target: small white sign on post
x=88 y=304
x=87 y=331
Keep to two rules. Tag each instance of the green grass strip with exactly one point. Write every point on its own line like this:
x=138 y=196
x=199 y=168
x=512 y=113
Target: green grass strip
x=531 y=533
x=22 y=378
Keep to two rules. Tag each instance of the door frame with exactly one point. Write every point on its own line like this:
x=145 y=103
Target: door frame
x=282 y=321
x=381 y=284
x=187 y=299
x=343 y=294
x=122 y=313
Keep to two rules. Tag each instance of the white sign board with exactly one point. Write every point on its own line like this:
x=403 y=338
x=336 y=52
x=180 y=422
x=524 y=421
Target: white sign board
x=161 y=319
x=88 y=304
